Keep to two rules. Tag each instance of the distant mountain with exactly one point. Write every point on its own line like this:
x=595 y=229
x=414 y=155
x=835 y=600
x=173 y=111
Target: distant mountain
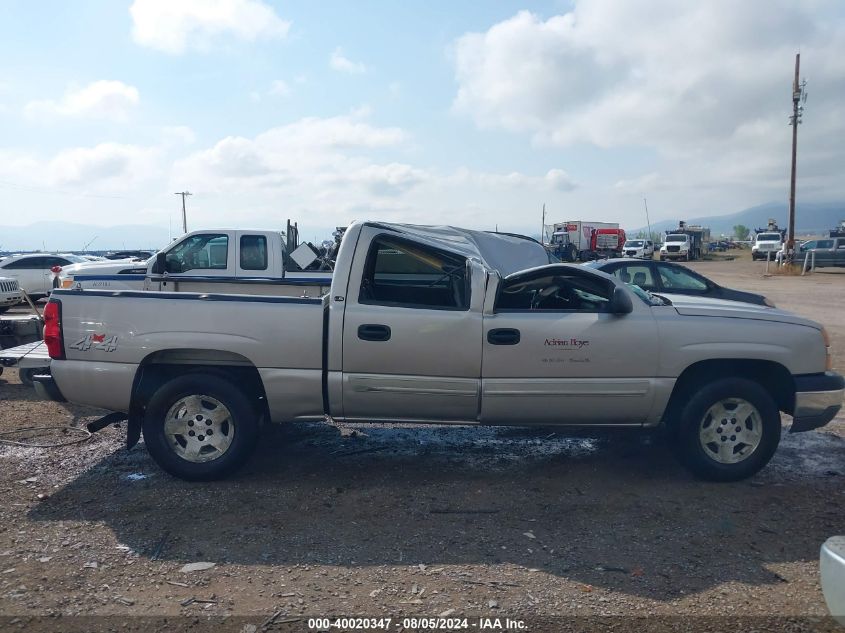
x=810 y=217
x=65 y=236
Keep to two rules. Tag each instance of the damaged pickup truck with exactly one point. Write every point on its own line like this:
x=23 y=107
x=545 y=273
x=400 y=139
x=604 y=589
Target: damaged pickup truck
x=441 y=325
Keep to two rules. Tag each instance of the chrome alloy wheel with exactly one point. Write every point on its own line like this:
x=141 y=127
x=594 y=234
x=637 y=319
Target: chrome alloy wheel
x=730 y=431
x=199 y=428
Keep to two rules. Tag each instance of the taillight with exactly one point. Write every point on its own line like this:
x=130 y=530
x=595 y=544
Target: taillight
x=53 y=330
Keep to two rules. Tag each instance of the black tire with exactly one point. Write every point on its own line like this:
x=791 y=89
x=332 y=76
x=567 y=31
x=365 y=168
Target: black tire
x=242 y=421
x=571 y=253
x=26 y=376
x=699 y=460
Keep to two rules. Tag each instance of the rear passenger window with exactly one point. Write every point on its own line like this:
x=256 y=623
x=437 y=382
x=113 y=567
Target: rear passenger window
x=253 y=252
x=408 y=274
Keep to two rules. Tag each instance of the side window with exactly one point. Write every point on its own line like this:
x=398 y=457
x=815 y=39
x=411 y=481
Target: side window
x=205 y=251
x=678 y=278
x=27 y=263
x=56 y=261
x=410 y=275
x=253 y=252
x=557 y=291
x=637 y=274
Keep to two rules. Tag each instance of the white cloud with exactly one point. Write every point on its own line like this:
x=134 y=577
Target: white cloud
x=338 y=61
x=280 y=88
x=703 y=86
x=173 y=26
x=104 y=98
x=324 y=153
x=104 y=165
x=559 y=180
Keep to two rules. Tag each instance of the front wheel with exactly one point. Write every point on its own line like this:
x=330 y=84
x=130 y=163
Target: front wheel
x=729 y=430
x=200 y=427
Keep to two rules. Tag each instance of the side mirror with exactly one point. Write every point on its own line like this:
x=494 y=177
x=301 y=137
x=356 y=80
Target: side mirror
x=160 y=266
x=620 y=302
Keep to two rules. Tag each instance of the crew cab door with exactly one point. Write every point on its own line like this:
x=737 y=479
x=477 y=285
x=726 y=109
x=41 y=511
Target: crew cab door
x=554 y=354
x=411 y=332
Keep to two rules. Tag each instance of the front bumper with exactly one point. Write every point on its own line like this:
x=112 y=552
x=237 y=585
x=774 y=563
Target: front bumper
x=818 y=398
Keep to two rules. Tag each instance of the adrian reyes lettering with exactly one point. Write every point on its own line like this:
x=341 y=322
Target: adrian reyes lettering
x=566 y=343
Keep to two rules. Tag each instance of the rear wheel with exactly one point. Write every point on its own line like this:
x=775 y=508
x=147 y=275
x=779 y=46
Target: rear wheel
x=200 y=427
x=729 y=430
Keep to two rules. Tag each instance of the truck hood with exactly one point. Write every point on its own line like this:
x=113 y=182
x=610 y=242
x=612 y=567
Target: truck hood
x=112 y=267
x=707 y=306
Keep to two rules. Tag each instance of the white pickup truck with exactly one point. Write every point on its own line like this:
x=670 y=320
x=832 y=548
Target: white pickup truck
x=249 y=261
x=443 y=325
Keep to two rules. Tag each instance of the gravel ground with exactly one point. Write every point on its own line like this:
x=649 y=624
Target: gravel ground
x=398 y=521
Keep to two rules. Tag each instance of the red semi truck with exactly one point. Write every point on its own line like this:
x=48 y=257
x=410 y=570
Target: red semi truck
x=589 y=240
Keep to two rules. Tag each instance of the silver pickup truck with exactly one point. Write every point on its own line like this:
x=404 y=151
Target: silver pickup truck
x=443 y=325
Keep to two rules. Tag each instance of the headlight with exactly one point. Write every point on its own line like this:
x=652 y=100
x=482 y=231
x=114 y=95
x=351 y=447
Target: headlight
x=826 y=338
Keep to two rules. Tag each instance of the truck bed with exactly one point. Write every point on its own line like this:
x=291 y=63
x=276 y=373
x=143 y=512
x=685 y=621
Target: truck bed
x=108 y=335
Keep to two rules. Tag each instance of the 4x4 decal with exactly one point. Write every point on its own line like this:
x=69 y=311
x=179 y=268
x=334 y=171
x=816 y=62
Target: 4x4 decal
x=99 y=342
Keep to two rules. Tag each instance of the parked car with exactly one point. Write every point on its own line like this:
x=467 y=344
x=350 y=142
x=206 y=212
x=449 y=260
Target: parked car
x=829 y=253
x=34 y=271
x=437 y=324
x=642 y=249
x=10 y=293
x=832 y=572
x=671 y=278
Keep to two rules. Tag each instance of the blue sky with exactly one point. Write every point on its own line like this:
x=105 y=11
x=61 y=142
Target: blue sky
x=468 y=113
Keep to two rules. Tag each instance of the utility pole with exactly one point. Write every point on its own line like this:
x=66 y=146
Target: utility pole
x=799 y=97
x=647 y=221
x=184 y=214
x=543 y=226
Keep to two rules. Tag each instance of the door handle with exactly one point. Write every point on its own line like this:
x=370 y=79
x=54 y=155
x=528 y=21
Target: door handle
x=503 y=336
x=373 y=332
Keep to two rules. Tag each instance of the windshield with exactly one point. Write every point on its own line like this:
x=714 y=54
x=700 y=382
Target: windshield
x=676 y=238
x=768 y=237
x=633 y=244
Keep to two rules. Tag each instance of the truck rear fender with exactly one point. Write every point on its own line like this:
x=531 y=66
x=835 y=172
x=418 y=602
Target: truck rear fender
x=159 y=367
x=774 y=377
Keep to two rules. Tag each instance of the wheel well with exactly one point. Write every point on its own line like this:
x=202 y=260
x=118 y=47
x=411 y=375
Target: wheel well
x=161 y=367
x=774 y=377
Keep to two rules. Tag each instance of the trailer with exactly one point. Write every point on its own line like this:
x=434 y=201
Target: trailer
x=687 y=242
x=21 y=345
x=588 y=240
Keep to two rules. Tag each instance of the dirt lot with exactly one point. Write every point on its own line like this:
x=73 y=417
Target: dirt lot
x=395 y=521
